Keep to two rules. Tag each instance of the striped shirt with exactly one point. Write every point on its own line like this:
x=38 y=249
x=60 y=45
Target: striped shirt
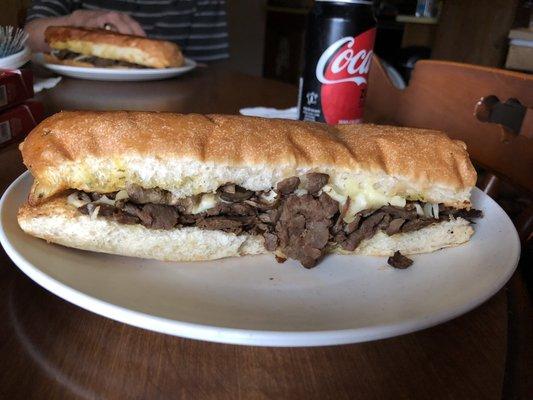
x=199 y=27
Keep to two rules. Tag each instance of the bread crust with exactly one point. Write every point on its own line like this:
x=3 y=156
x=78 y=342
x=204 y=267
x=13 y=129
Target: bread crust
x=102 y=151
x=115 y=46
x=58 y=222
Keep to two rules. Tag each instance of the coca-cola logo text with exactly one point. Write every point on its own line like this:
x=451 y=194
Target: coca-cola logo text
x=343 y=72
x=352 y=65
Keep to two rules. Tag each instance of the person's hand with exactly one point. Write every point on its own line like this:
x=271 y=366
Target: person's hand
x=118 y=21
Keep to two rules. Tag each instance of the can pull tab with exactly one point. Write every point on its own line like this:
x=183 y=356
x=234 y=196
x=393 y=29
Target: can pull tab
x=512 y=115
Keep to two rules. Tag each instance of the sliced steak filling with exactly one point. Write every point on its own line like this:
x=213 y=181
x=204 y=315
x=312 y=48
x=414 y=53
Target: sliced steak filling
x=303 y=227
x=398 y=260
x=294 y=225
x=96 y=61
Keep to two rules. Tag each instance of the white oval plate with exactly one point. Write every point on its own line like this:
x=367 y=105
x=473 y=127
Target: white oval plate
x=256 y=301
x=116 y=74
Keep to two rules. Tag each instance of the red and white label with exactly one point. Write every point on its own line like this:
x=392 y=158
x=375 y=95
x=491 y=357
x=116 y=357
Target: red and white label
x=343 y=71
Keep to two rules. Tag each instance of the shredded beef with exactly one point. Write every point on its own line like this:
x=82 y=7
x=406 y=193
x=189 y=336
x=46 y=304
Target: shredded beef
x=330 y=207
x=105 y=210
x=108 y=211
x=406 y=213
x=271 y=241
x=65 y=54
x=339 y=223
x=227 y=224
x=85 y=209
x=394 y=226
x=315 y=182
x=95 y=196
x=367 y=229
x=234 y=193
x=302 y=227
x=469 y=214
x=274 y=215
x=417 y=224
x=289 y=185
x=188 y=219
x=124 y=218
x=351 y=226
x=96 y=61
x=460 y=213
x=157 y=216
x=398 y=260
x=140 y=195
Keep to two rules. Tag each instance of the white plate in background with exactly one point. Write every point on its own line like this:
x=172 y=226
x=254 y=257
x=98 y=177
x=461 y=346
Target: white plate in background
x=116 y=74
x=256 y=301
x=16 y=60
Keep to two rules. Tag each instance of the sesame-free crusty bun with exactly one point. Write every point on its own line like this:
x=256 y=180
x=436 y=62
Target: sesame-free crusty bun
x=59 y=222
x=191 y=154
x=114 y=46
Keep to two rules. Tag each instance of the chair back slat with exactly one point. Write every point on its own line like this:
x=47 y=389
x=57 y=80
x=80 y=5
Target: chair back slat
x=443 y=95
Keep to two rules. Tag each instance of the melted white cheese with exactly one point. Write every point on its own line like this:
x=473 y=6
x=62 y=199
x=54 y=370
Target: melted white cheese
x=78 y=199
x=300 y=192
x=121 y=195
x=362 y=196
x=105 y=200
x=207 y=201
x=270 y=196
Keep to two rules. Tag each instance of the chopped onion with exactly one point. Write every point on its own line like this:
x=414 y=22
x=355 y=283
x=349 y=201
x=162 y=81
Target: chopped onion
x=78 y=199
x=80 y=57
x=419 y=210
x=121 y=195
x=205 y=202
x=428 y=210
x=269 y=197
x=435 y=207
x=105 y=200
x=397 y=201
x=300 y=192
x=94 y=214
x=229 y=188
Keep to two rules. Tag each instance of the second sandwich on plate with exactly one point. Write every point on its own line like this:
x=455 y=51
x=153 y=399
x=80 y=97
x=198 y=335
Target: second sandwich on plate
x=85 y=47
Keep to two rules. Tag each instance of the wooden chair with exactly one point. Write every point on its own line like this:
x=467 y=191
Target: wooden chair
x=443 y=95
x=491 y=110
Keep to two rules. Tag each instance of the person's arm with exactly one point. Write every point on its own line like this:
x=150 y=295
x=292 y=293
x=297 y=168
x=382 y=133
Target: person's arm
x=45 y=13
x=208 y=38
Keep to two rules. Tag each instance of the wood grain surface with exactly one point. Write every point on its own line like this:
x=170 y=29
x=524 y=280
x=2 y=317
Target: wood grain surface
x=443 y=95
x=51 y=349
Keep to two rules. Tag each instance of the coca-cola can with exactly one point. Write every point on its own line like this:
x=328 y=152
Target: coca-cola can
x=338 y=52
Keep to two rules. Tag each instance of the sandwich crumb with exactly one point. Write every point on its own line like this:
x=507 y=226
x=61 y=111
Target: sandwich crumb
x=399 y=261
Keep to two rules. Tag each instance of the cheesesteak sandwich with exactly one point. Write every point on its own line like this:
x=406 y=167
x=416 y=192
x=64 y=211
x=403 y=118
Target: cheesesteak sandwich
x=84 y=47
x=194 y=187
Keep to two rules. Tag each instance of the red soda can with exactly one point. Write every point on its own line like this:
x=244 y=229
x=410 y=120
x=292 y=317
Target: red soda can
x=338 y=52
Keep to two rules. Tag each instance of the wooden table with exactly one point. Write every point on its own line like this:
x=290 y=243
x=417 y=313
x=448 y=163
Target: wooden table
x=52 y=349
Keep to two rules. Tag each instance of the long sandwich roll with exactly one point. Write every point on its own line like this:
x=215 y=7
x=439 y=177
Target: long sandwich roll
x=194 y=187
x=86 y=47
